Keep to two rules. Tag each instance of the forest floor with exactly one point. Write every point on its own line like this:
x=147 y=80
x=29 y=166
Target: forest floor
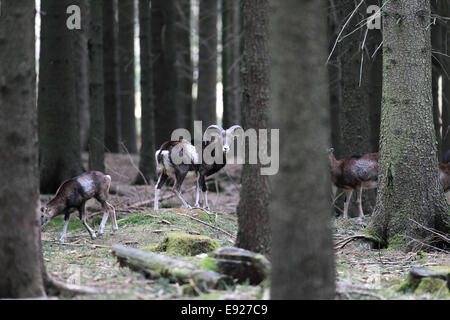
x=362 y=272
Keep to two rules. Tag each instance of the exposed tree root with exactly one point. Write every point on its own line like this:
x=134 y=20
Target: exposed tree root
x=341 y=244
x=54 y=287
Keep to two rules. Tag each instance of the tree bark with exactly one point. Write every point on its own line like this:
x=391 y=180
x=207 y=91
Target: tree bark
x=437 y=63
x=19 y=194
x=359 y=108
x=207 y=63
x=96 y=88
x=302 y=268
x=184 y=103
x=164 y=69
x=230 y=63
x=444 y=11
x=408 y=179
x=147 y=163
x=111 y=77
x=81 y=67
x=126 y=74
x=253 y=209
x=59 y=137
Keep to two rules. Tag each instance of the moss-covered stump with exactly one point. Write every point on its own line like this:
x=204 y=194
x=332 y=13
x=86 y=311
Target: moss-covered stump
x=427 y=280
x=183 y=244
x=153 y=265
x=242 y=265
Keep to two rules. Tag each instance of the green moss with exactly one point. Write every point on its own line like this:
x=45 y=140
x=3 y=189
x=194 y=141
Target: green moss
x=148 y=248
x=208 y=263
x=445 y=269
x=432 y=285
x=370 y=231
x=396 y=241
x=407 y=286
x=179 y=243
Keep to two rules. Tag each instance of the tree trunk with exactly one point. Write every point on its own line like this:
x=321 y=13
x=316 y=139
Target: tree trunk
x=437 y=59
x=444 y=11
x=81 y=67
x=19 y=194
x=253 y=209
x=207 y=63
x=334 y=75
x=126 y=69
x=357 y=111
x=184 y=65
x=111 y=77
x=408 y=179
x=96 y=88
x=164 y=69
x=59 y=137
x=302 y=268
x=230 y=63
x=147 y=164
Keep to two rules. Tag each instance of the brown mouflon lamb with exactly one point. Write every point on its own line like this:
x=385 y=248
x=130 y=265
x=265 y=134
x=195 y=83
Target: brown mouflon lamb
x=73 y=194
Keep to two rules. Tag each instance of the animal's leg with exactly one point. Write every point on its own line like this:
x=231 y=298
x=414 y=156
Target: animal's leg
x=359 y=192
x=204 y=192
x=112 y=215
x=83 y=217
x=104 y=219
x=197 y=193
x=161 y=180
x=177 y=188
x=66 y=223
x=348 y=196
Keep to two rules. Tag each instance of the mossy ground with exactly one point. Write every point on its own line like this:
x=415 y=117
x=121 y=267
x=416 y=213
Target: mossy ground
x=375 y=273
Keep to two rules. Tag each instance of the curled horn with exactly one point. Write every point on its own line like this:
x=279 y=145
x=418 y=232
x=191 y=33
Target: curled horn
x=213 y=126
x=232 y=128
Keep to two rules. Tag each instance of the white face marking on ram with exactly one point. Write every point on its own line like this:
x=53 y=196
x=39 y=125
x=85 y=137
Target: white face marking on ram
x=86 y=183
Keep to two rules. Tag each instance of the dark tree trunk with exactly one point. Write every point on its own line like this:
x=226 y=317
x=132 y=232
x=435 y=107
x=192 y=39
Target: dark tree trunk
x=446 y=78
x=334 y=74
x=253 y=209
x=111 y=76
x=302 y=268
x=164 y=69
x=20 y=267
x=81 y=66
x=230 y=63
x=126 y=75
x=359 y=109
x=147 y=164
x=437 y=47
x=96 y=88
x=408 y=179
x=443 y=9
x=184 y=65
x=207 y=63
x=59 y=137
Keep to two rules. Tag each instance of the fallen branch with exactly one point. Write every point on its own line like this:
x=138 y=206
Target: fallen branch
x=440 y=235
x=207 y=224
x=154 y=265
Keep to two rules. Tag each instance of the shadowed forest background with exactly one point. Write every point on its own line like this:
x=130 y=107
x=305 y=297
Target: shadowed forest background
x=101 y=85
